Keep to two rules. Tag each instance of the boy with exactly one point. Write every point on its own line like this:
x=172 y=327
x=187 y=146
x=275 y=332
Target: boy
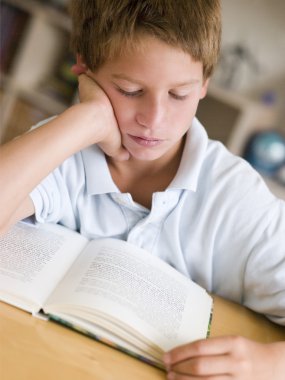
x=130 y=161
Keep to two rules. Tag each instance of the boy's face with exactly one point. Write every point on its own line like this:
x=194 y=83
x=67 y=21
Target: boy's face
x=154 y=93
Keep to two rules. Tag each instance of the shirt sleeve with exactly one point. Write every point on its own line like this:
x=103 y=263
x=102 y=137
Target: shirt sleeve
x=264 y=277
x=250 y=248
x=244 y=228
x=55 y=198
x=48 y=198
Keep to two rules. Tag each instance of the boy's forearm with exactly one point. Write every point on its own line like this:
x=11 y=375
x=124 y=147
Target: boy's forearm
x=25 y=161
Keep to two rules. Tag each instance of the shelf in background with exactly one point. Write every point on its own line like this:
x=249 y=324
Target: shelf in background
x=24 y=115
x=35 y=76
x=43 y=10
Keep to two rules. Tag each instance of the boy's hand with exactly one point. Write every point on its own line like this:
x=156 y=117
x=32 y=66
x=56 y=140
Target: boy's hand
x=226 y=358
x=106 y=129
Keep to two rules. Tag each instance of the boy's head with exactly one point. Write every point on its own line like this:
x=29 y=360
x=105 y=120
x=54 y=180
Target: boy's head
x=104 y=29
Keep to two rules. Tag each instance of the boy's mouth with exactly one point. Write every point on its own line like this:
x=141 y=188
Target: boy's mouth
x=146 y=141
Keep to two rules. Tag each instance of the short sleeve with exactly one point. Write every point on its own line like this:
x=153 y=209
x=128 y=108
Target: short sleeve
x=264 y=278
x=48 y=198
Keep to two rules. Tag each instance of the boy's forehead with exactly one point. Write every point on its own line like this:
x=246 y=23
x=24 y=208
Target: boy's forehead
x=147 y=47
x=140 y=44
x=125 y=77
x=153 y=59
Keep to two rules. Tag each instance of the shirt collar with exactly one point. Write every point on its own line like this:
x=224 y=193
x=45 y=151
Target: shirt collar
x=98 y=176
x=99 y=179
x=192 y=158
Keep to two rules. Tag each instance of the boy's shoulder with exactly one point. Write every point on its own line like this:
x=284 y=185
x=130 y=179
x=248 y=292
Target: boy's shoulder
x=213 y=155
x=221 y=169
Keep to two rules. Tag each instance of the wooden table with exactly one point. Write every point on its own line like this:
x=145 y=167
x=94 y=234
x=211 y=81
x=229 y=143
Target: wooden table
x=33 y=349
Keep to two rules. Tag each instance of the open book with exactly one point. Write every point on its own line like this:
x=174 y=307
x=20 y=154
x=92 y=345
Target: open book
x=107 y=288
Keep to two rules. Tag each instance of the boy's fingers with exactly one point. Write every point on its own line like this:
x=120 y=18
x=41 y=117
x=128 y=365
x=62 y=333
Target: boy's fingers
x=110 y=143
x=206 y=347
x=178 y=376
x=206 y=366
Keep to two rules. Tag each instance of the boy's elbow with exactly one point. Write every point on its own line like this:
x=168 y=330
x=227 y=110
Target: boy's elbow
x=6 y=222
x=4 y=228
x=11 y=217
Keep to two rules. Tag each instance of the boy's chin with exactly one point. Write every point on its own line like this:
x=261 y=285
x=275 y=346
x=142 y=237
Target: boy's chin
x=145 y=157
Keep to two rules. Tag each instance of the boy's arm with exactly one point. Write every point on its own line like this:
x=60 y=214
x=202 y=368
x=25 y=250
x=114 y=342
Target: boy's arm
x=26 y=160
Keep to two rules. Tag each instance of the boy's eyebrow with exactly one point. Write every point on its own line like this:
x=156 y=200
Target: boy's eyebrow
x=133 y=80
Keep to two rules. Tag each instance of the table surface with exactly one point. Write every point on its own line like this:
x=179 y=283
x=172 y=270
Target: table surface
x=32 y=348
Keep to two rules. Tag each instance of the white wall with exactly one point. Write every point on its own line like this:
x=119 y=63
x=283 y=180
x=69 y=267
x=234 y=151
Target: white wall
x=259 y=25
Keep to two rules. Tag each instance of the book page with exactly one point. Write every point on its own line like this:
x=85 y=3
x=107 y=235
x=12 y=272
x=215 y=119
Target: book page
x=130 y=287
x=32 y=261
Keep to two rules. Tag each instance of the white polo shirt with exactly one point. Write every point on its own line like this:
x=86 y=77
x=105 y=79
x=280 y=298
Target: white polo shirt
x=216 y=223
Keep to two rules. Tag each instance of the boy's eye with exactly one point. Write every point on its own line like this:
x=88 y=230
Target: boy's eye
x=130 y=93
x=140 y=92
x=177 y=97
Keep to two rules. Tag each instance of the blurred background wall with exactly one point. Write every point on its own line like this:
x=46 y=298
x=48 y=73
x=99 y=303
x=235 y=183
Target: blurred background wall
x=253 y=45
x=245 y=107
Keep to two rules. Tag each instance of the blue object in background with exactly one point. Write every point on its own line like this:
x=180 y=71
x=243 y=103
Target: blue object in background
x=265 y=151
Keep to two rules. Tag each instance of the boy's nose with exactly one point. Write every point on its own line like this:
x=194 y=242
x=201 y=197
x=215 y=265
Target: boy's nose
x=152 y=114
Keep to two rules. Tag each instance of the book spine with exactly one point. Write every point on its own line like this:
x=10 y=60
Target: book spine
x=105 y=341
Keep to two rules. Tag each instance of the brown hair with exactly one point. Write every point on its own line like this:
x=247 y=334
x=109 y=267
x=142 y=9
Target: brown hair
x=103 y=29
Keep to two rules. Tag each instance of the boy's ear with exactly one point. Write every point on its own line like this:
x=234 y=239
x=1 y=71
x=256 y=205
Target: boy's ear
x=79 y=60
x=204 y=88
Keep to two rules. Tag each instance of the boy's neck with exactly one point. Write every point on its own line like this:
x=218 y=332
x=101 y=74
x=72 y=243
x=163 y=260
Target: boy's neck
x=143 y=178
